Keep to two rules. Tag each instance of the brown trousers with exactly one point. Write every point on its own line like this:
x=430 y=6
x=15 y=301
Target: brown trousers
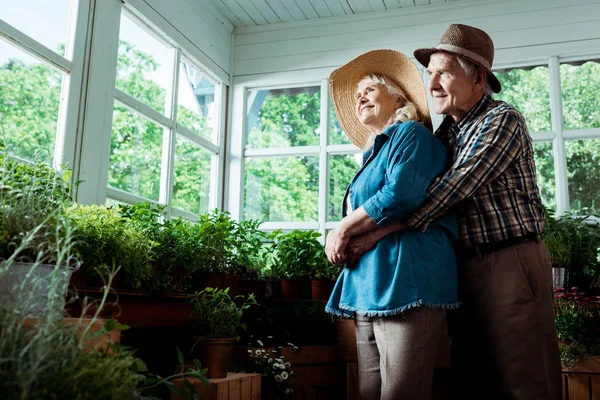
x=503 y=336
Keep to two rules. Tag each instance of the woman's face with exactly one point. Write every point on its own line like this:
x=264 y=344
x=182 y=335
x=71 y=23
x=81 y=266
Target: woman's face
x=375 y=105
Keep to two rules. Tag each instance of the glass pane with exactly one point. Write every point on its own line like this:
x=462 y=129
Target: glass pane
x=144 y=65
x=135 y=154
x=283 y=117
x=282 y=189
x=29 y=102
x=583 y=158
x=112 y=202
x=580 y=95
x=196 y=107
x=336 y=135
x=46 y=21
x=544 y=167
x=191 y=187
x=529 y=92
x=342 y=169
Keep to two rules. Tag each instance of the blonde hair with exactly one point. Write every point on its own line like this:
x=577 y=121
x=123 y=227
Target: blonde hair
x=408 y=112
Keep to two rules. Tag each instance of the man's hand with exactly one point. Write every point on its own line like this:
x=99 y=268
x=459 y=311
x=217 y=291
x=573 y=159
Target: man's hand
x=335 y=247
x=359 y=245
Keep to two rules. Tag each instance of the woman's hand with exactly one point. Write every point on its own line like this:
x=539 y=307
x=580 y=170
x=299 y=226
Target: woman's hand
x=335 y=247
x=359 y=245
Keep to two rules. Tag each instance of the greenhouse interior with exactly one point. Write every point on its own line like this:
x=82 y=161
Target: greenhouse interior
x=300 y=199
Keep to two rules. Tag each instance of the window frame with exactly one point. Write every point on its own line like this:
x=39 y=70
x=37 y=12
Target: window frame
x=171 y=128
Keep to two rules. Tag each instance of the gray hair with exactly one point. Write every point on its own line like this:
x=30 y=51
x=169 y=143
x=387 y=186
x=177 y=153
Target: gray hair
x=470 y=68
x=405 y=113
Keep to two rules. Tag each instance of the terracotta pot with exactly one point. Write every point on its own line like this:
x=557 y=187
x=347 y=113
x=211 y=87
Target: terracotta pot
x=230 y=281
x=295 y=288
x=273 y=290
x=261 y=288
x=245 y=287
x=211 y=279
x=321 y=289
x=216 y=355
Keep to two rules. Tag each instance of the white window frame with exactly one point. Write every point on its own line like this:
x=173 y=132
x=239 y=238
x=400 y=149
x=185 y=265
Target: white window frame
x=169 y=122
x=72 y=66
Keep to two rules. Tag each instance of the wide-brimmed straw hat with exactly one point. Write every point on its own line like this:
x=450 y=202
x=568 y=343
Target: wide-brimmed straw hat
x=469 y=42
x=343 y=83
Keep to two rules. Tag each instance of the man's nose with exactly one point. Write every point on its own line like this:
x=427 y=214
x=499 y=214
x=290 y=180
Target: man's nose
x=433 y=83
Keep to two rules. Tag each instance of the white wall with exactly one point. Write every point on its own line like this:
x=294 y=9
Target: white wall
x=195 y=25
x=524 y=32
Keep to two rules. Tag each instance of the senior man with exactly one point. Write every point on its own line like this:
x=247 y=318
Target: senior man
x=503 y=336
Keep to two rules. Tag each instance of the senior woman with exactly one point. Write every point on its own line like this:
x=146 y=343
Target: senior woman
x=398 y=290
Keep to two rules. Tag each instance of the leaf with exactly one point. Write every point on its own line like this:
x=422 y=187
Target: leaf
x=180 y=356
x=171 y=386
x=140 y=365
x=110 y=324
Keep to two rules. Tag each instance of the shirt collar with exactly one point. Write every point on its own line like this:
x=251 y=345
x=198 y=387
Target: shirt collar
x=477 y=109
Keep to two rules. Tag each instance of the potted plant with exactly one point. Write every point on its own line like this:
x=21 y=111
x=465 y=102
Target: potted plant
x=107 y=240
x=577 y=317
x=218 y=321
x=296 y=255
x=323 y=277
x=35 y=234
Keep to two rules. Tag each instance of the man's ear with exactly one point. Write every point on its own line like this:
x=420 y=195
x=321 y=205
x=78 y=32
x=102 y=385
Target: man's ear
x=480 y=78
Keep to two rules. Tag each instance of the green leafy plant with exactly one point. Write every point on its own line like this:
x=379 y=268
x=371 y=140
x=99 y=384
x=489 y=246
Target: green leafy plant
x=217 y=315
x=105 y=238
x=298 y=255
x=249 y=250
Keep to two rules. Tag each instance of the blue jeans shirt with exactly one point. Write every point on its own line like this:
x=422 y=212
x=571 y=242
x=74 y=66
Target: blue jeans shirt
x=408 y=268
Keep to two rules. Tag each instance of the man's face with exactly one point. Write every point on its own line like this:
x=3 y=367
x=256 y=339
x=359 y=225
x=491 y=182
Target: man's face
x=453 y=92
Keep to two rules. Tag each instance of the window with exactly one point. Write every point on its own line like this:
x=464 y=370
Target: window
x=282 y=163
x=166 y=124
x=31 y=97
x=342 y=168
x=583 y=159
x=528 y=90
x=580 y=95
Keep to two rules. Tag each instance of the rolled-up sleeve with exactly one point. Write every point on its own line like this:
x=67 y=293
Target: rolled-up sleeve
x=406 y=183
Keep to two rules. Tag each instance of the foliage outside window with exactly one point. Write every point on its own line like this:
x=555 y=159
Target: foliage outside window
x=341 y=171
x=529 y=92
x=144 y=72
x=583 y=159
x=279 y=188
x=580 y=95
x=336 y=135
x=30 y=93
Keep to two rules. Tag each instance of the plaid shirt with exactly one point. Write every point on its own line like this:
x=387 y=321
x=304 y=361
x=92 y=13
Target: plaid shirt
x=491 y=182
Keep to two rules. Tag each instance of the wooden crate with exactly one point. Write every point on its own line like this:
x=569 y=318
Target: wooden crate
x=236 y=386
x=582 y=382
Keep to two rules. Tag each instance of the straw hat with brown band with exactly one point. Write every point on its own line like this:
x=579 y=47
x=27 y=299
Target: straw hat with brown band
x=343 y=84
x=469 y=42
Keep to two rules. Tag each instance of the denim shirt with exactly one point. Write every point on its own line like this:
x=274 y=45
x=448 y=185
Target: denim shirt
x=408 y=268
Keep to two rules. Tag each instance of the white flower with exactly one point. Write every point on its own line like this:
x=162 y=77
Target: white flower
x=258 y=352
x=276 y=365
x=270 y=360
x=284 y=375
x=249 y=351
x=287 y=365
x=278 y=379
x=288 y=391
x=281 y=366
x=279 y=360
x=260 y=343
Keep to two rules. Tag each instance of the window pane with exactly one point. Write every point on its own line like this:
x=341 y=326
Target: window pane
x=135 y=155
x=29 y=102
x=583 y=158
x=336 y=135
x=529 y=92
x=580 y=95
x=544 y=166
x=191 y=186
x=46 y=21
x=342 y=169
x=196 y=107
x=283 y=117
x=144 y=65
x=282 y=189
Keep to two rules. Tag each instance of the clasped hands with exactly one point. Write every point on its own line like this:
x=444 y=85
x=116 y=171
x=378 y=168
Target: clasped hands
x=341 y=248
